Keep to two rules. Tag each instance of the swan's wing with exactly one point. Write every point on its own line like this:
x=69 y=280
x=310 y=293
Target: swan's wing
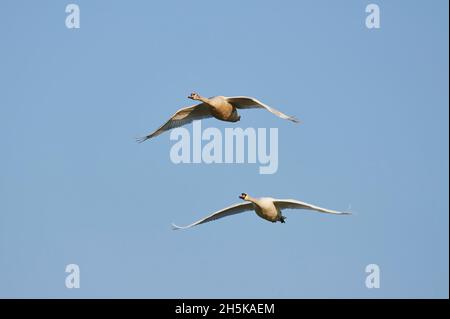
x=181 y=117
x=292 y=203
x=235 y=209
x=245 y=102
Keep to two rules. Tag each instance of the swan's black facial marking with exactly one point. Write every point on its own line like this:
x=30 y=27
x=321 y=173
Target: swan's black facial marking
x=242 y=196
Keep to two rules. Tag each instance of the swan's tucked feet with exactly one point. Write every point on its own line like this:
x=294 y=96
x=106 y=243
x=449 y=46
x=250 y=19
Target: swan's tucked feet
x=282 y=218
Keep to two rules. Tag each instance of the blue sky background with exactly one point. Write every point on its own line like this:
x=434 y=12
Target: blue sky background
x=76 y=188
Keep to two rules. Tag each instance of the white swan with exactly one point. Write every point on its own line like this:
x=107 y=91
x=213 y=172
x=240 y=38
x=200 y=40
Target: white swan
x=266 y=207
x=221 y=107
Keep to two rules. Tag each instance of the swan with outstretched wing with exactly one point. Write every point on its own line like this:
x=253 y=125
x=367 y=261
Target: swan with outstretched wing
x=220 y=107
x=265 y=207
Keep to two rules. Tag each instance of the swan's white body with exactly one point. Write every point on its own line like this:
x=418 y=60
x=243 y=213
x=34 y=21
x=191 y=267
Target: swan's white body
x=266 y=207
x=220 y=107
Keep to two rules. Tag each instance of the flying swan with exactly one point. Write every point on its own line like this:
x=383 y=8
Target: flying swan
x=266 y=207
x=221 y=107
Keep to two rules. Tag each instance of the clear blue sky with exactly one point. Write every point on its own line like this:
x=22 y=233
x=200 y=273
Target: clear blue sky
x=76 y=188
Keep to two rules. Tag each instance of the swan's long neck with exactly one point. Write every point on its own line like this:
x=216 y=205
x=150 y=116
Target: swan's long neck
x=251 y=199
x=203 y=99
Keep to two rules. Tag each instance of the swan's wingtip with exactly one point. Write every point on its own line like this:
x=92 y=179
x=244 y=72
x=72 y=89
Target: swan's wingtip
x=141 y=139
x=349 y=210
x=175 y=227
x=295 y=120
